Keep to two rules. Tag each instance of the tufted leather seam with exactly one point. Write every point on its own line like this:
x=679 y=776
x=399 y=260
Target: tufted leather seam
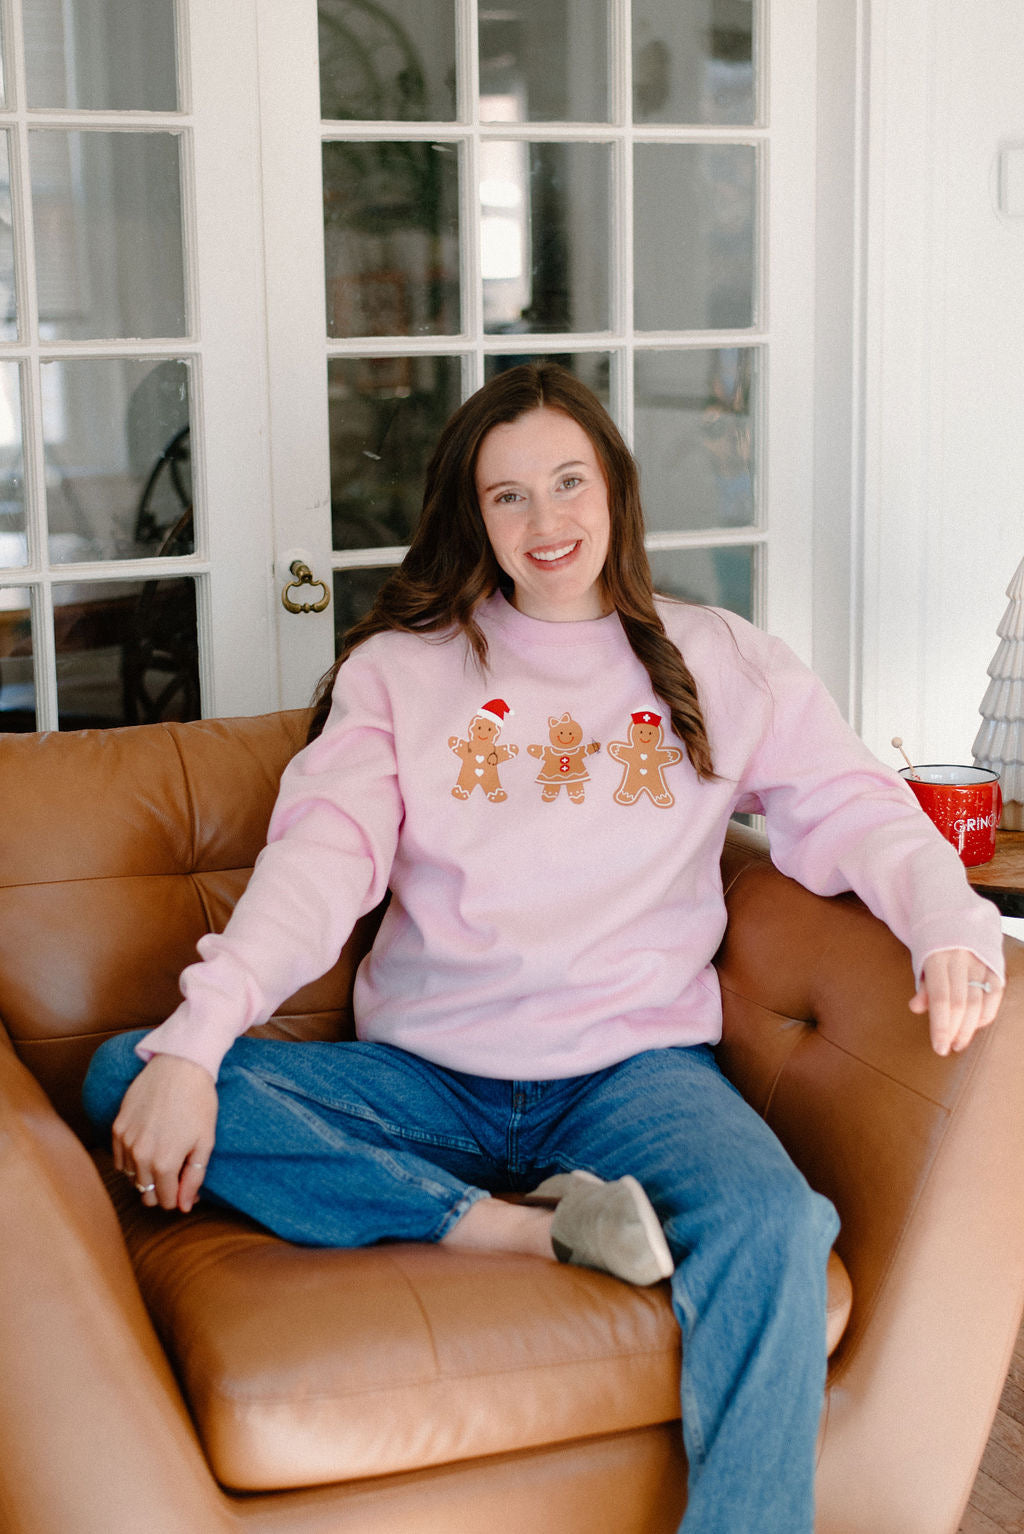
x=288 y=1398
x=755 y=859
x=201 y=896
x=798 y=1038
x=944 y=1108
x=189 y=796
x=417 y=1301
x=42 y=884
x=786 y=1019
x=786 y=1024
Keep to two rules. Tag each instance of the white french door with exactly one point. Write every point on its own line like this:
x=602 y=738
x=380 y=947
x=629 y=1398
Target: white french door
x=261 y=248
x=134 y=510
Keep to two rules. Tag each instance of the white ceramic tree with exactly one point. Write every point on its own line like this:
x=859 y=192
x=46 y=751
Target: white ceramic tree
x=1000 y=741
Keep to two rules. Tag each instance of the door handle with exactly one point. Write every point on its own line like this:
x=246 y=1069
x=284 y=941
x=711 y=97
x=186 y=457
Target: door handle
x=303 y=576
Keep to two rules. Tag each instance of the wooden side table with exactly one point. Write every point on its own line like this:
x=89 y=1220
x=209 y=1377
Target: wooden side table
x=1002 y=880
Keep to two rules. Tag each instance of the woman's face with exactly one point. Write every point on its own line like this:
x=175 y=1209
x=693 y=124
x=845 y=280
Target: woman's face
x=544 y=502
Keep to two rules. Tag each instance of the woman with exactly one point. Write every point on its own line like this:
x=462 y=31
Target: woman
x=540 y=759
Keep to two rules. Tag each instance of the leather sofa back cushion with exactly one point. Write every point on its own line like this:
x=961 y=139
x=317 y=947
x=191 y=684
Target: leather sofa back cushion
x=132 y=844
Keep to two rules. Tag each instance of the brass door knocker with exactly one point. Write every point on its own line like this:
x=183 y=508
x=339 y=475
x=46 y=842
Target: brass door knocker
x=304 y=577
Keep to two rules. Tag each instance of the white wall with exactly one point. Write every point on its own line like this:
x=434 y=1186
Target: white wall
x=838 y=349
x=943 y=365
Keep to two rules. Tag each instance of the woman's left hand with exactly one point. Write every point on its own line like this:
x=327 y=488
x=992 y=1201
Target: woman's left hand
x=953 y=993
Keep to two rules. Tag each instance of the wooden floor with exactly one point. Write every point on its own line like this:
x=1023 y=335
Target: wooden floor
x=997 y=1501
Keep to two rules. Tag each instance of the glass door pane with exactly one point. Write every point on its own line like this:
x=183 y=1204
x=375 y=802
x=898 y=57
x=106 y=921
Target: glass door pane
x=694 y=61
x=17 y=673
x=715 y=577
x=106 y=55
x=387 y=63
x=545 y=236
x=391 y=238
x=695 y=210
x=108 y=234
x=696 y=420
x=127 y=652
x=544 y=62
x=13 y=535
x=95 y=394
x=116 y=435
x=8 y=290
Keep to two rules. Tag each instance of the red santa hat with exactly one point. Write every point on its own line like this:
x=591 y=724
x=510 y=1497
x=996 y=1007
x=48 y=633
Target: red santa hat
x=496 y=709
x=646 y=716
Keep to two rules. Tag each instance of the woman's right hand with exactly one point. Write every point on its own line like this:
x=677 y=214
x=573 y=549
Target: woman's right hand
x=164 y=1133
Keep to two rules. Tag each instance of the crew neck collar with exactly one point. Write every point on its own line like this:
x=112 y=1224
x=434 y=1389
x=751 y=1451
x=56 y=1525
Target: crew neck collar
x=498 y=610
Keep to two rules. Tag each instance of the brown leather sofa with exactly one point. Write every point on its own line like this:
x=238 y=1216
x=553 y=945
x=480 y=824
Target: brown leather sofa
x=162 y=1374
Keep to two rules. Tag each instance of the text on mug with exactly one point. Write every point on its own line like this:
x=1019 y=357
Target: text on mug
x=979 y=823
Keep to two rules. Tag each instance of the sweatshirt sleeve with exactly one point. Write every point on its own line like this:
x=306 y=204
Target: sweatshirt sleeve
x=838 y=819
x=330 y=847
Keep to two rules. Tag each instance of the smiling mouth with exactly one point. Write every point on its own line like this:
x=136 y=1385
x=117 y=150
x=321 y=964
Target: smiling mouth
x=553 y=556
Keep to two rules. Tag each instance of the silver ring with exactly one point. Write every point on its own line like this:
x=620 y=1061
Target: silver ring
x=982 y=985
x=145 y=1187
x=196 y=1165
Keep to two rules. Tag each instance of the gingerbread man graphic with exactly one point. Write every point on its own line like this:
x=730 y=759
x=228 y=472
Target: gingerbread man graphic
x=562 y=761
x=481 y=756
x=644 y=759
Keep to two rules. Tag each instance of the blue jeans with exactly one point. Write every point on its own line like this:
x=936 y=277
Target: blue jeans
x=349 y=1144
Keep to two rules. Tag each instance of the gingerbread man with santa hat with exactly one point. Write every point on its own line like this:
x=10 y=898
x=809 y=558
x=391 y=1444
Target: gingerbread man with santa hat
x=481 y=756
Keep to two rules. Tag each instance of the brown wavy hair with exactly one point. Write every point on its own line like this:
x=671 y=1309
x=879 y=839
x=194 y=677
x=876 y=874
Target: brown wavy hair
x=450 y=567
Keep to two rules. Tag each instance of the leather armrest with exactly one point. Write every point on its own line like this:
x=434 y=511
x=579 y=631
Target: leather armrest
x=94 y=1435
x=924 y=1159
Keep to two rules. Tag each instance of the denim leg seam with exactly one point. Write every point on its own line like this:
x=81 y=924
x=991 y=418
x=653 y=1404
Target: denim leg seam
x=693 y=1428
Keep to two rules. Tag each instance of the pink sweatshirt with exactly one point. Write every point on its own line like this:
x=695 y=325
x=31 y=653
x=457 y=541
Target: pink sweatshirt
x=553 y=858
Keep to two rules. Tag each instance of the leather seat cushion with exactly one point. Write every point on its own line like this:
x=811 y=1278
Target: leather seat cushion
x=308 y=1365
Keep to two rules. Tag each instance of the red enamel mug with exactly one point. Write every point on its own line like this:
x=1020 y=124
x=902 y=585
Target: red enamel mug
x=964 y=802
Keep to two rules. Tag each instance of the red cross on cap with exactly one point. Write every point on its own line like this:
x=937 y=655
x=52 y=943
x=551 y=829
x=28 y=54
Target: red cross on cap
x=645 y=716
